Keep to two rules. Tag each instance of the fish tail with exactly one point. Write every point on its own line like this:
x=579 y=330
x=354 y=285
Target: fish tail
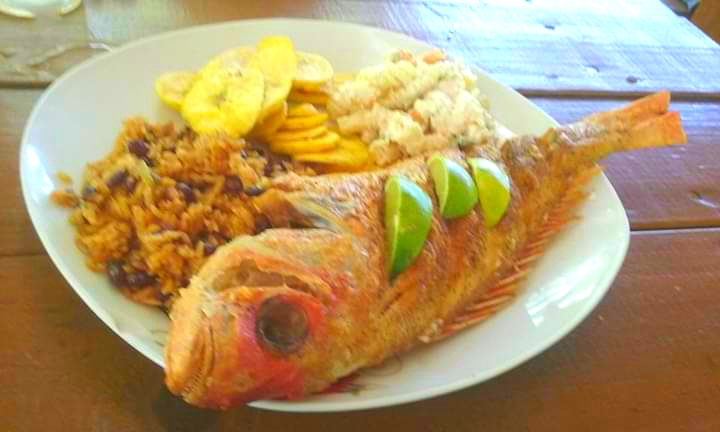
x=637 y=111
x=645 y=123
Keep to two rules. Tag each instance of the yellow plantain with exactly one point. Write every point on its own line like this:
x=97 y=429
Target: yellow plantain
x=302 y=110
x=312 y=72
x=306 y=122
x=172 y=87
x=225 y=100
x=324 y=142
x=276 y=58
x=350 y=153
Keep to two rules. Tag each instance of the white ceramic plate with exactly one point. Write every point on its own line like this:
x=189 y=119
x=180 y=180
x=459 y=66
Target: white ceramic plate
x=78 y=117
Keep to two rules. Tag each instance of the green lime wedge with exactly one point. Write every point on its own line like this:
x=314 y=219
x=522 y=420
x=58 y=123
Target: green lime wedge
x=493 y=186
x=408 y=215
x=455 y=189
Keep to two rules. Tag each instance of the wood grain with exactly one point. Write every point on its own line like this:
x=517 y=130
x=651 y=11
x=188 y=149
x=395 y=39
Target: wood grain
x=22 y=40
x=647 y=359
x=664 y=188
x=540 y=46
x=17 y=236
x=707 y=17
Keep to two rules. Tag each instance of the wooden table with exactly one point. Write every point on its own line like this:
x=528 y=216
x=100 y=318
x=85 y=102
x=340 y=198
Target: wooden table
x=647 y=359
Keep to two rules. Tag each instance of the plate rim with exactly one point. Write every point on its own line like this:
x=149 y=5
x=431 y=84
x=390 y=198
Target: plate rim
x=321 y=406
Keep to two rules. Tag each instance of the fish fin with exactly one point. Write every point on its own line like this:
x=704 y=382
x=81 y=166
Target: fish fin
x=505 y=289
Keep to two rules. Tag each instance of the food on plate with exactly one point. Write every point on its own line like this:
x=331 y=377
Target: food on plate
x=313 y=71
x=493 y=186
x=305 y=122
x=272 y=123
x=408 y=216
x=151 y=212
x=288 y=312
x=412 y=105
x=275 y=57
x=350 y=155
x=317 y=97
x=225 y=100
x=454 y=188
x=326 y=140
x=172 y=87
x=302 y=110
x=426 y=216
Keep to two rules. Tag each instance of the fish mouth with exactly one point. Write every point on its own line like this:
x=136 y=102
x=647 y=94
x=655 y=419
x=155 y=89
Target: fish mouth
x=189 y=354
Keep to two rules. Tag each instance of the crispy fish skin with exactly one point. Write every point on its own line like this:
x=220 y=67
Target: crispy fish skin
x=227 y=345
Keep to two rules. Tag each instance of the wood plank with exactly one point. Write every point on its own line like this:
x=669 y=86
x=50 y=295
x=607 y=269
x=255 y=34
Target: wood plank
x=663 y=188
x=668 y=188
x=646 y=360
x=23 y=42
x=539 y=46
x=17 y=236
x=707 y=17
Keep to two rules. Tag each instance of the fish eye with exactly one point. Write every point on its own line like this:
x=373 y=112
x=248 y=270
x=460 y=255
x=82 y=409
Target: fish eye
x=281 y=326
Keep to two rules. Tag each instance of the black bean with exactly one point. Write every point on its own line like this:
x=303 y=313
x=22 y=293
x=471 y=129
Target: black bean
x=298 y=225
x=138 y=147
x=261 y=224
x=260 y=150
x=117 y=179
x=209 y=248
x=134 y=243
x=268 y=169
x=140 y=279
x=254 y=191
x=116 y=273
x=202 y=186
x=201 y=236
x=88 y=192
x=186 y=191
x=233 y=185
x=161 y=296
x=130 y=184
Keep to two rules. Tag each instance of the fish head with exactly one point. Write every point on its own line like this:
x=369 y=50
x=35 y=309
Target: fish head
x=244 y=331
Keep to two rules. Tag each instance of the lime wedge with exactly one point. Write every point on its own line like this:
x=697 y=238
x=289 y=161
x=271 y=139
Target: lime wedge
x=454 y=187
x=408 y=215
x=493 y=186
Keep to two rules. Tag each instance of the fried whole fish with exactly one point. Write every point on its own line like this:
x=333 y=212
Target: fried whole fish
x=288 y=312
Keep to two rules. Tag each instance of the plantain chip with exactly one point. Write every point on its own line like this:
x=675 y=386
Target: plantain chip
x=306 y=122
x=312 y=72
x=172 y=87
x=296 y=135
x=235 y=59
x=313 y=97
x=324 y=142
x=350 y=153
x=302 y=110
x=225 y=100
x=275 y=57
x=272 y=123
